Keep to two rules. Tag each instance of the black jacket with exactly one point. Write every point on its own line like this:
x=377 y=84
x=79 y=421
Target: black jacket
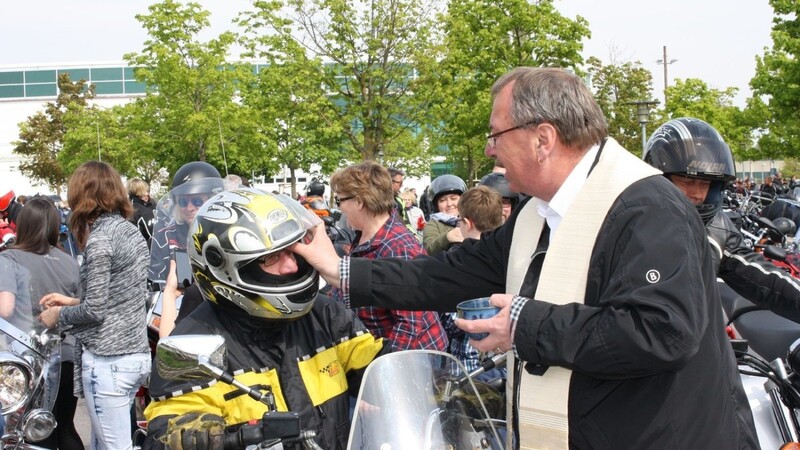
x=311 y=364
x=749 y=273
x=652 y=366
x=143 y=217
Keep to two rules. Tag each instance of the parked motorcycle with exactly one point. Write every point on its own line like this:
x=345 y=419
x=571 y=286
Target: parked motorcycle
x=414 y=399
x=29 y=378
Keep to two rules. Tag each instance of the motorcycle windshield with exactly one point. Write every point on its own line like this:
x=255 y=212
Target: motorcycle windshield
x=174 y=213
x=421 y=399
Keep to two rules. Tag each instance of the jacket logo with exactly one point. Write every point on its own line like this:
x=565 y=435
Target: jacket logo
x=332 y=369
x=652 y=276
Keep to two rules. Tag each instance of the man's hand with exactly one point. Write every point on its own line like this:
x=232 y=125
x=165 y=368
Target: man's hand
x=195 y=431
x=319 y=252
x=49 y=317
x=499 y=339
x=455 y=235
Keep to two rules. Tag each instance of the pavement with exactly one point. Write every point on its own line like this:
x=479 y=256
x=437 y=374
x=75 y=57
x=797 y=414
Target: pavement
x=82 y=423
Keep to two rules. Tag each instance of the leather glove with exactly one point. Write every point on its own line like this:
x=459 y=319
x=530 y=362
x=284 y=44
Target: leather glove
x=195 y=431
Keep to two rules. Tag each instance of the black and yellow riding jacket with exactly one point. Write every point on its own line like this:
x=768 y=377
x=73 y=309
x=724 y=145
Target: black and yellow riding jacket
x=310 y=364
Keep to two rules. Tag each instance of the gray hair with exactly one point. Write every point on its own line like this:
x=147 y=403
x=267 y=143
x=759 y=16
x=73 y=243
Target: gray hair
x=557 y=97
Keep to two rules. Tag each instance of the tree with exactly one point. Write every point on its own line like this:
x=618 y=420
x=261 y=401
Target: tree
x=616 y=86
x=371 y=51
x=192 y=90
x=42 y=135
x=119 y=136
x=481 y=41
x=294 y=114
x=777 y=81
x=694 y=98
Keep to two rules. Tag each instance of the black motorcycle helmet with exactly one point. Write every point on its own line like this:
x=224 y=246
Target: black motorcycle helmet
x=786 y=226
x=499 y=183
x=446 y=184
x=315 y=188
x=186 y=177
x=692 y=148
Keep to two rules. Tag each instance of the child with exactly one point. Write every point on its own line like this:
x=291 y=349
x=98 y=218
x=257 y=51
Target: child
x=480 y=209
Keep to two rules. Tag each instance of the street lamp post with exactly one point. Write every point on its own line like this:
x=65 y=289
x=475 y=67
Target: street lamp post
x=665 y=62
x=643 y=115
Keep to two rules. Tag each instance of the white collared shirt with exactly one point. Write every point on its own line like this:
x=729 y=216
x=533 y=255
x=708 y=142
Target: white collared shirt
x=554 y=210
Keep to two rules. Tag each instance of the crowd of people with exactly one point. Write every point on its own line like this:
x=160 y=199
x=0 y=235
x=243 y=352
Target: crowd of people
x=603 y=266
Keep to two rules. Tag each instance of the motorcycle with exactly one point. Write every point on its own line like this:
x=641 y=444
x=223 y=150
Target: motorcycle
x=415 y=399
x=29 y=377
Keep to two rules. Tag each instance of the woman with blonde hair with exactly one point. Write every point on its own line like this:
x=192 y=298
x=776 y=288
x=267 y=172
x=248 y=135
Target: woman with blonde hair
x=112 y=355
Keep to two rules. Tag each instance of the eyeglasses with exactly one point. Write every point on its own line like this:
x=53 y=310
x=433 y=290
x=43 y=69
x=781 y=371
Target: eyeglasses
x=339 y=200
x=183 y=202
x=491 y=139
x=268 y=260
x=400 y=182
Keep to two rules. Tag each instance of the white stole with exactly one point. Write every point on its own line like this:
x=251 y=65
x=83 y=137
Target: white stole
x=543 y=400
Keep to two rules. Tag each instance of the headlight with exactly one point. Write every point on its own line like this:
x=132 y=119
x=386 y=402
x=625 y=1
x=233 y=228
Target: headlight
x=14 y=385
x=38 y=425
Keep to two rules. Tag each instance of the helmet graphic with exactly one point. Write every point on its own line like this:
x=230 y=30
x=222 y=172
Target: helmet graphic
x=231 y=231
x=692 y=148
x=447 y=184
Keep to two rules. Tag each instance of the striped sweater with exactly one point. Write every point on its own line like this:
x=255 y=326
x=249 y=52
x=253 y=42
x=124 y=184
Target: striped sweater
x=110 y=319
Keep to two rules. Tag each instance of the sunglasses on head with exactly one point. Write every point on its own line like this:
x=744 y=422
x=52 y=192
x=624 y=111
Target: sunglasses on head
x=196 y=201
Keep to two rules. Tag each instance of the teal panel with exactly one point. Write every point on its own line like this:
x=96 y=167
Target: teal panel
x=11 y=78
x=40 y=76
x=41 y=90
x=12 y=91
x=107 y=74
x=108 y=87
x=128 y=73
x=76 y=74
x=133 y=87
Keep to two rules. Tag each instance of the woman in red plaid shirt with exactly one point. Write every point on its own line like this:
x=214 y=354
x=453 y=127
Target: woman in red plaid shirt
x=365 y=197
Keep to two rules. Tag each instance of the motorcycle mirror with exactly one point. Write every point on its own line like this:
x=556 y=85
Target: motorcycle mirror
x=775 y=252
x=187 y=357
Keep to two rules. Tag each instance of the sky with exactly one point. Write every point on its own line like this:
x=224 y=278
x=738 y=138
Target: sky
x=714 y=40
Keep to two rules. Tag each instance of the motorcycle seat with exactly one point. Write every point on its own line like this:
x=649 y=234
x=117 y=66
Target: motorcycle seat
x=767 y=333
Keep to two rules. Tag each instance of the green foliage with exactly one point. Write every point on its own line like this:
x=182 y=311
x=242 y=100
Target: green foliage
x=371 y=50
x=191 y=91
x=694 y=98
x=777 y=81
x=42 y=135
x=616 y=87
x=482 y=40
x=791 y=168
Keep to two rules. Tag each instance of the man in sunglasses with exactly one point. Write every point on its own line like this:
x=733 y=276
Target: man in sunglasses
x=192 y=185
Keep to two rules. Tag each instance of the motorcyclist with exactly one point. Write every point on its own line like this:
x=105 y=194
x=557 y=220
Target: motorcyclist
x=693 y=155
x=281 y=335
x=192 y=185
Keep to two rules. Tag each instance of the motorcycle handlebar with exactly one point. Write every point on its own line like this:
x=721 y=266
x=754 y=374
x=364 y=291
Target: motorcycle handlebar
x=273 y=428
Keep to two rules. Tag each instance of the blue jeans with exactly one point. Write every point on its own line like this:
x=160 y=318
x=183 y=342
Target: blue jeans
x=109 y=385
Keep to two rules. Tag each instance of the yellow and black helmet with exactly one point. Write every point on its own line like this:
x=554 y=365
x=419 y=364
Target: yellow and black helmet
x=231 y=231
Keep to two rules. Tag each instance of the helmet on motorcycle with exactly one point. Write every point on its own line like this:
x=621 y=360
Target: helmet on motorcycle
x=692 y=148
x=5 y=201
x=786 y=226
x=235 y=228
x=499 y=183
x=315 y=188
x=446 y=184
x=186 y=179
